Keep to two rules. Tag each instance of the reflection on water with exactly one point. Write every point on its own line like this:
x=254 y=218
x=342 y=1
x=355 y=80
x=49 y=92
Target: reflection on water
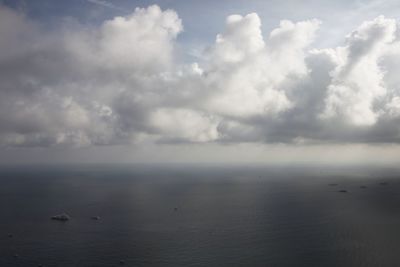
x=199 y=217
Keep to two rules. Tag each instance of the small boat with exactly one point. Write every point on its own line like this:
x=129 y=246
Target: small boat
x=61 y=217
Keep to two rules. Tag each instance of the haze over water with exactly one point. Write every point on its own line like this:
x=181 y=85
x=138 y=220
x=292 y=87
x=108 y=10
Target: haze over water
x=199 y=216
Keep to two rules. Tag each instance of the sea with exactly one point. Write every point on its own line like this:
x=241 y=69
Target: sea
x=200 y=215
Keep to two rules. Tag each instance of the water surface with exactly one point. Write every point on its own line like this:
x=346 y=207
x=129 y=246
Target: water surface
x=199 y=216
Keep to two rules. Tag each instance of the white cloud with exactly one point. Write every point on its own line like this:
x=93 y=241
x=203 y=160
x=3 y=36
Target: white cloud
x=104 y=4
x=358 y=82
x=246 y=73
x=184 y=125
x=242 y=38
x=121 y=82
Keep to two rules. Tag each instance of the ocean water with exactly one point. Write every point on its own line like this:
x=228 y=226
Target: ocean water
x=199 y=216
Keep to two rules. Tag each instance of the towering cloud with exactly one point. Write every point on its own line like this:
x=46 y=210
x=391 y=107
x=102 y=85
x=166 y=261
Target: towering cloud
x=357 y=82
x=121 y=82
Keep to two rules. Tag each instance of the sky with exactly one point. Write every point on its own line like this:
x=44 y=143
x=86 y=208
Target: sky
x=96 y=81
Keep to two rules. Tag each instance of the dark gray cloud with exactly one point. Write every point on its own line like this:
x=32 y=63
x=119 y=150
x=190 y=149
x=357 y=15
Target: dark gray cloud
x=122 y=83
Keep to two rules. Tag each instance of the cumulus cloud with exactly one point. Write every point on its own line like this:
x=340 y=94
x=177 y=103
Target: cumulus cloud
x=357 y=82
x=121 y=82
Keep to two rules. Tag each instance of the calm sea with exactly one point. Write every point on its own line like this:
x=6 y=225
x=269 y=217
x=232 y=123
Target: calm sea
x=199 y=216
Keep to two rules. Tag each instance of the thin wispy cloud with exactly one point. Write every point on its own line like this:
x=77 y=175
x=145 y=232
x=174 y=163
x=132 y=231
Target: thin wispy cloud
x=105 y=4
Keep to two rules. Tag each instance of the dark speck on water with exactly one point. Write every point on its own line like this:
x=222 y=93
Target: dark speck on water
x=61 y=217
x=228 y=216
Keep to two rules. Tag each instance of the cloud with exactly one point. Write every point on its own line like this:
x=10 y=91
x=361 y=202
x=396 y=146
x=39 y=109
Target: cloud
x=357 y=83
x=122 y=82
x=104 y=4
x=184 y=125
x=247 y=73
